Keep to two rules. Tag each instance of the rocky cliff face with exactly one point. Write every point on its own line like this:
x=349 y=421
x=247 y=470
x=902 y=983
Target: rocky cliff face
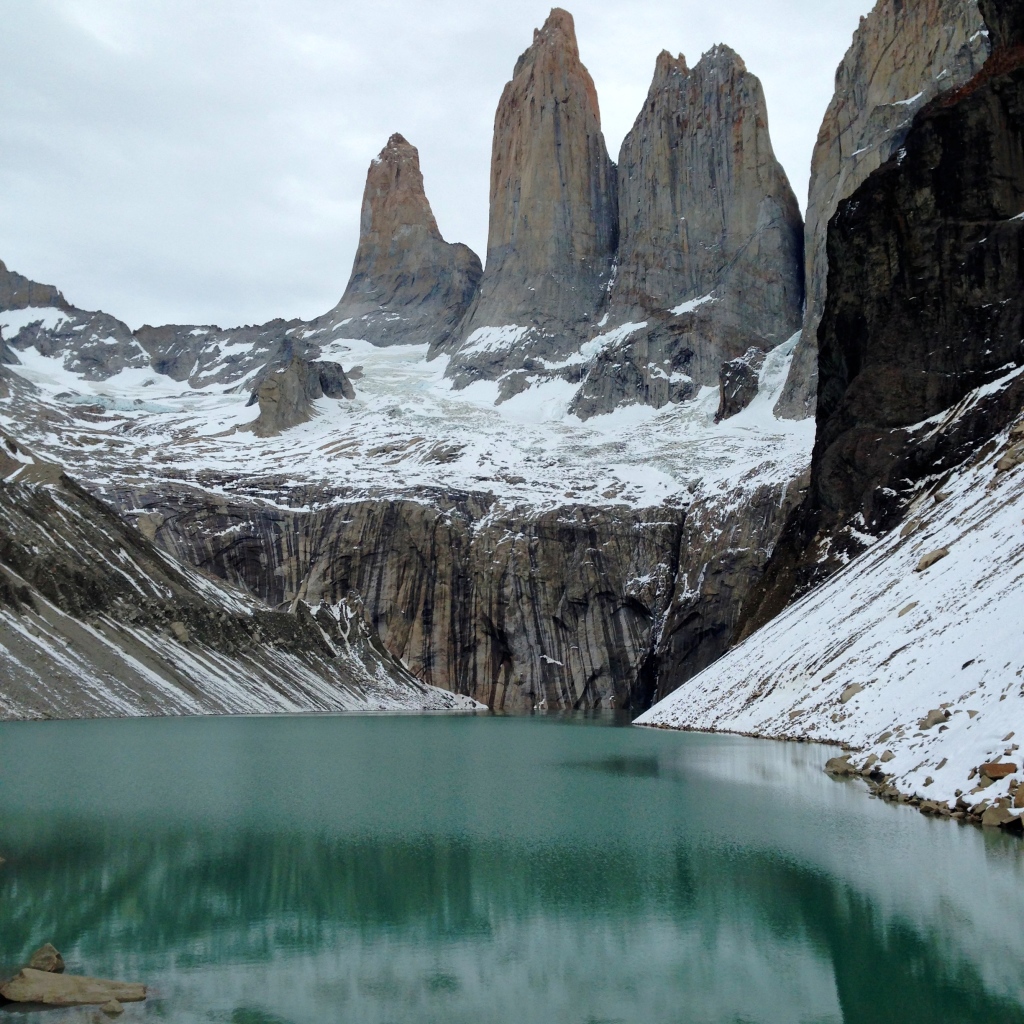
x=710 y=249
x=902 y=56
x=921 y=336
x=553 y=225
x=286 y=396
x=95 y=621
x=579 y=606
x=408 y=284
x=18 y=292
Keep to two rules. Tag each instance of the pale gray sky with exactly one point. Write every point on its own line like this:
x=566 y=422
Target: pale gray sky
x=199 y=161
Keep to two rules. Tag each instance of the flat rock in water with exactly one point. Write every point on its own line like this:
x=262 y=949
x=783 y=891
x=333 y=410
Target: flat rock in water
x=46 y=958
x=32 y=986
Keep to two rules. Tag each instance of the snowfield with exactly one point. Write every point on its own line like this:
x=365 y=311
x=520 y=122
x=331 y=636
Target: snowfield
x=865 y=659
x=407 y=429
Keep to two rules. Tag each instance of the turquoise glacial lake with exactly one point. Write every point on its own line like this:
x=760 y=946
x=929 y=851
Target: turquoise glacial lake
x=481 y=870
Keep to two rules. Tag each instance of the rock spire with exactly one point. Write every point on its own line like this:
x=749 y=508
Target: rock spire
x=710 y=237
x=408 y=284
x=902 y=55
x=553 y=224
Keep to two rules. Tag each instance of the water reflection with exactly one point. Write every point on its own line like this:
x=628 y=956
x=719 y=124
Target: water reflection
x=429 y=869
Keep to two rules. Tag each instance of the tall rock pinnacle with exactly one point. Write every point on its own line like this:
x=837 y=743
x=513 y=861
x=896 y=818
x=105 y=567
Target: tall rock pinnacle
x=710 y=237
x=902 y=55
x=702 y=197
x=553 y=214
x=408 y=284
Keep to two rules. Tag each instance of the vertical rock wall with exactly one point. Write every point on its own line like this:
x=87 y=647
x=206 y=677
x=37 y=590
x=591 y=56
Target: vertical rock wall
x=711 y=238
x=904 y=53
x=577 y=606
x=553 y=225
x=925 y=305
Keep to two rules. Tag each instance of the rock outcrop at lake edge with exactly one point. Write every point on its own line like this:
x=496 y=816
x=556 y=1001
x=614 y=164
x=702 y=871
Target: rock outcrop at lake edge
x=553 y=225
x=902 y=55
x=408 y=284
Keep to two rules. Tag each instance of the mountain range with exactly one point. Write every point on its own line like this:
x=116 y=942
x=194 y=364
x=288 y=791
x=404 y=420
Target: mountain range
x=607 y=465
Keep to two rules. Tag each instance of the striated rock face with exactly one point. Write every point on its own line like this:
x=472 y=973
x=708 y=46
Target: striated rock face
x=902 y=56
x=579 y=606
x=724 y=548
x=286 y=396
x=711 y=238
x=95 y=621
x=704 y=206
x=408 y=284
x=553 y=226
x=925 y=306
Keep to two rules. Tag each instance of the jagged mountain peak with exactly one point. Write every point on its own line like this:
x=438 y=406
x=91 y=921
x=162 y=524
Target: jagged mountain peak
x=709 y=259
x=666 y=66
x=552 y=230
x=558 y=31
x=395 y=196
x=722 y=55
x=407 y=284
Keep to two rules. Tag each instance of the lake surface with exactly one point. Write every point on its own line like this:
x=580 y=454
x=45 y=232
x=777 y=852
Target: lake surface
x=418 y=869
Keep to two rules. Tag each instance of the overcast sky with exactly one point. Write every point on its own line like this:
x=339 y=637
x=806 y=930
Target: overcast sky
x=202 y=161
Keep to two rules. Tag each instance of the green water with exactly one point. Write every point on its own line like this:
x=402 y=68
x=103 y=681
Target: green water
x=473 y=869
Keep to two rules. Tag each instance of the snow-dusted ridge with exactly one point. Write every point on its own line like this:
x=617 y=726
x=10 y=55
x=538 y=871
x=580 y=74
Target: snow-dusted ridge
x=866 y=657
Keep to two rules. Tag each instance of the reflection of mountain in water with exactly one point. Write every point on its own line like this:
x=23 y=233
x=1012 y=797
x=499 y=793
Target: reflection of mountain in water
x=535 y=873
x=256 y=899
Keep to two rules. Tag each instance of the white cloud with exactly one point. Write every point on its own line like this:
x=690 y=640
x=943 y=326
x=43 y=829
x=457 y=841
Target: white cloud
x=204 y=161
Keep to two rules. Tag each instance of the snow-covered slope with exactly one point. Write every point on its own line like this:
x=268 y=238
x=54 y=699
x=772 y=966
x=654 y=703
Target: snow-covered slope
x=904 y=632
x=408 y=429
x=96 y=621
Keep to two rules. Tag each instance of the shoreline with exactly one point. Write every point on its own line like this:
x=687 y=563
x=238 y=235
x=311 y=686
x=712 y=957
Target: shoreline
x=985 y=813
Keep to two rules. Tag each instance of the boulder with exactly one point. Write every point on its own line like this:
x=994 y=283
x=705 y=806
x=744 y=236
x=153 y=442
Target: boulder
x=998 y=815
x=113 y=1008
x=1013 y=458
x=998 y=770
x=32 y=986
x=927 y=561
x=933 y=718
x=850 y=692
x=738 y=382
x=46 y=958
x=841 y=766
